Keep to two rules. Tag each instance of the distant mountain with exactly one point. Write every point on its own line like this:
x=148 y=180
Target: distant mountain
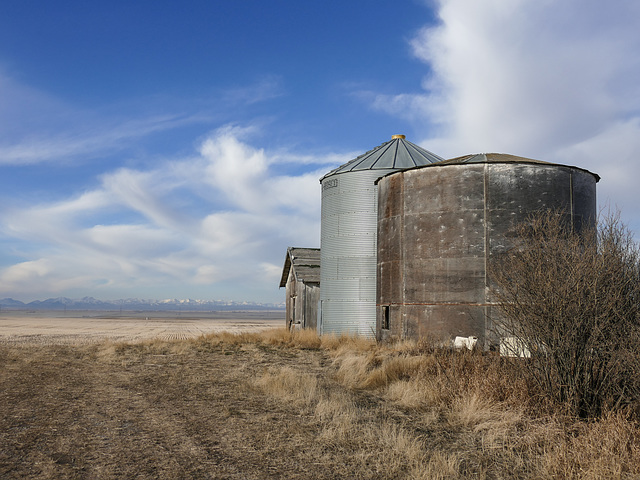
x=10 y=302
x=173 y=304
x=86 y=303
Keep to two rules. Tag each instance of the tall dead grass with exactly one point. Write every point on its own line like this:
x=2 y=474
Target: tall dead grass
x=378 y=445
x=298 y=389
x=483 y=418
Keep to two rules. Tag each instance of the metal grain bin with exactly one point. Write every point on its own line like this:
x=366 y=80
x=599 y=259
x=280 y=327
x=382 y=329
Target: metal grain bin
x=439 y=225
x=348 y=238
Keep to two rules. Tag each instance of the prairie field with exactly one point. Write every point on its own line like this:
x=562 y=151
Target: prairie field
x=276 y=404
x=86 y=326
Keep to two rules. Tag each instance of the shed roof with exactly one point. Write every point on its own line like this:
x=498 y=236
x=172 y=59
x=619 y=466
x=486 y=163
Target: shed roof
x=397 y=153
x=305 y=263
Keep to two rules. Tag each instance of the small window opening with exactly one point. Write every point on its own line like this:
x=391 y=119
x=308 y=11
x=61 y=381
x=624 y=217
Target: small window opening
x=385 y=317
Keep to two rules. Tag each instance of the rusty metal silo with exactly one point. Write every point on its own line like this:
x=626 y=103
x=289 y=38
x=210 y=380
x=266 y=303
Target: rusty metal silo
x=348 y=238
x=439 y=225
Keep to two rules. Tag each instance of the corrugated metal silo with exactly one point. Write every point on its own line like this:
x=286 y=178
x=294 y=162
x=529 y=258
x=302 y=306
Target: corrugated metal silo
x=348 y=238
x=439 y=226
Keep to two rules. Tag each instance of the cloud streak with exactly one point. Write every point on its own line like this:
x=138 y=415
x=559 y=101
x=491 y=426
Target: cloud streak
x=88 y=143
x=36 y=128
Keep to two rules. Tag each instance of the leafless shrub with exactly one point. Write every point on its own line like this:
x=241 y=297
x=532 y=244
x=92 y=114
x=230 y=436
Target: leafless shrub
x=572 y=299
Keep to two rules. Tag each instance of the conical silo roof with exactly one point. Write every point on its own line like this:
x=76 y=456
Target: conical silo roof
x=396 y=153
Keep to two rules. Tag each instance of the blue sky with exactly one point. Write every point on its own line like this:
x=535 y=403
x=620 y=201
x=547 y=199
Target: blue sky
x=164 y=149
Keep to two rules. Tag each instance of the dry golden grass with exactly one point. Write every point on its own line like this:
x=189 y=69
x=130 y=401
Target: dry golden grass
x=296 y=388
x=286 y=404
x=493 y=423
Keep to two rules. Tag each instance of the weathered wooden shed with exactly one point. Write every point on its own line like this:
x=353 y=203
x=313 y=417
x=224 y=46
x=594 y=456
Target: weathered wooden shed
x=301 y=277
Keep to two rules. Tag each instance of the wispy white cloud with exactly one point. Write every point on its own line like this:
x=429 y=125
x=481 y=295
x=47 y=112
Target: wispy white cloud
x=285 y=156
x=37 y=128
x=236 y=237
x=247 y=184
x=94 y=141
x=265 y=88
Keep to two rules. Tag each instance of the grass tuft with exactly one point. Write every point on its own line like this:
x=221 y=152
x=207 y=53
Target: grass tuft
x=289 y=385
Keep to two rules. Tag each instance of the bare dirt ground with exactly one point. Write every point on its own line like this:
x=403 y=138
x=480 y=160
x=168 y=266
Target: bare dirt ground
x=167 y=409
x=79 y=327
x=87 y=412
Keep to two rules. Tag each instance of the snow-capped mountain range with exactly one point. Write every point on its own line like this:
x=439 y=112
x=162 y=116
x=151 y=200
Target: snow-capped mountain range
x=90 y=303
